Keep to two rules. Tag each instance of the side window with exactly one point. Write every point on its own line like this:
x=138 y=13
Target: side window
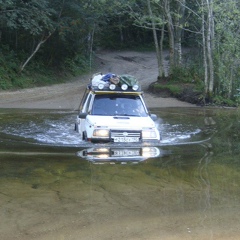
x=85 y=108
x=83 y=101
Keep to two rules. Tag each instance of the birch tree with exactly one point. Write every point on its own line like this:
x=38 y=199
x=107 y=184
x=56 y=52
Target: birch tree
x=179 y=23
x=221 y=47
x=208 y=34
x=210 y=44
x=152 y=18
x=170 y=28
x=158 y=43
x=227 y=50
x=176 y=19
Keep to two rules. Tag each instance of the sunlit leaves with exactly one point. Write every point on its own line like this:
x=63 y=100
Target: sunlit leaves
x=227 y=40
x=32 y=16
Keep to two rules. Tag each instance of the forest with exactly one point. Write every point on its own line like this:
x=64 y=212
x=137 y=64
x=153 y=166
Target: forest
x=49 y=41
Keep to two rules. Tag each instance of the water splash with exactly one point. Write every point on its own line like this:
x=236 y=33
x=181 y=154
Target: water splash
x=178 y=133
x=45 y=129
x=58 y=129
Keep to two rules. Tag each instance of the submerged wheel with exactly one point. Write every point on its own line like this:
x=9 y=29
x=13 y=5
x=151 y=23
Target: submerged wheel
x=75 y=127
x=84 y=136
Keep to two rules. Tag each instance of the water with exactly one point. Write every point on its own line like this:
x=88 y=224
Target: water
x=54 y=186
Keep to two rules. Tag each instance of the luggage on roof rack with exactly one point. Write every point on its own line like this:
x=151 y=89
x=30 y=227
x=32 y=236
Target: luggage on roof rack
x=112 y=81
x=128 y=79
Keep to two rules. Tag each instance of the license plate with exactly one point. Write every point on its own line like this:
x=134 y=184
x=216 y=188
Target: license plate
x=126 y=139
x=125 y=152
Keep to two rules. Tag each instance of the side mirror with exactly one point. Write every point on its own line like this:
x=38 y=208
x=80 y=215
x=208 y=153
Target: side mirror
x=82 y=115
x=153 y=117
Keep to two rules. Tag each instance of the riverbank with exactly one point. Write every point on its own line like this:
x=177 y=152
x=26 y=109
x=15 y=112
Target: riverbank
x=142 y=65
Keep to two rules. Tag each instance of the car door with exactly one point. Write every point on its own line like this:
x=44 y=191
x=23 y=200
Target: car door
x=84 y=111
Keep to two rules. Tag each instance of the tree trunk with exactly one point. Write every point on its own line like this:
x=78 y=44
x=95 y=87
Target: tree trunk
x=162 y=69
x=204 y=53
x=210 y=35
x=160 y=72
x=178 y=32
x=230 y=83
x=170 y=33
x=43 y=40
x=91 y=39
x=121 y=30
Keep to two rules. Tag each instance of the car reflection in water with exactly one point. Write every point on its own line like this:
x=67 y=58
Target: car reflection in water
x=121 y=155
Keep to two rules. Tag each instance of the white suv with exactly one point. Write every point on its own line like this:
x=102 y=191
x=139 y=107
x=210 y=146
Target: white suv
x=115 y=113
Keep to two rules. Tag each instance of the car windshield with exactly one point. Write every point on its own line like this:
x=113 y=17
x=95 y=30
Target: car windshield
x=115 y=105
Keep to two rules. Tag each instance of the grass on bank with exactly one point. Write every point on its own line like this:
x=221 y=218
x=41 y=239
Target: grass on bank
x=186 y=85
x=36 y=73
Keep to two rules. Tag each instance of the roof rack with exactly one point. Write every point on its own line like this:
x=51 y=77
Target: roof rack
x=113 y=88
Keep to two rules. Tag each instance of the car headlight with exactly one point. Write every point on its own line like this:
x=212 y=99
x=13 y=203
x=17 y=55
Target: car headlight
x=102 y=133
x=149 y=134
x=101 y=150
x=150 y=152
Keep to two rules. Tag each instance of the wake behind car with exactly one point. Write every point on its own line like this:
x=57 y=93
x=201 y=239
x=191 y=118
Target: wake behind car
x=113 y=110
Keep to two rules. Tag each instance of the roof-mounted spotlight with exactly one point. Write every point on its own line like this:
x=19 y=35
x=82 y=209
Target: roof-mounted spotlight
x=124 y=87
x=112 y=87
x=100 y=86
x=135 y=87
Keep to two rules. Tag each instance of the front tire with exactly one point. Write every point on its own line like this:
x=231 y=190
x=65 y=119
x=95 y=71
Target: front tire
x=84 y=136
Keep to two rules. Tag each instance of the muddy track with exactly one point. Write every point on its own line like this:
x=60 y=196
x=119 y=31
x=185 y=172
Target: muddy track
x=142 y=65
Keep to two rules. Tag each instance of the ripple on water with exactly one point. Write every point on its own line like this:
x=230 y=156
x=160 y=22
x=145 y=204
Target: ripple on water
x=58 y=129
x=178 y=133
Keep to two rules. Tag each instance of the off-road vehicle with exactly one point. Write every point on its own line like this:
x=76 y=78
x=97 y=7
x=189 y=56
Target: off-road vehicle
x=113 y=110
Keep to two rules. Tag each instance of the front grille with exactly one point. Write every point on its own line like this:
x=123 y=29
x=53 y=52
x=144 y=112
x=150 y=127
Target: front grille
x=122 y=133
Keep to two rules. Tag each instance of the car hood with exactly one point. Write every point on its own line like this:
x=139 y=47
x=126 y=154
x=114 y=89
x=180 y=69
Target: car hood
x=121 y=122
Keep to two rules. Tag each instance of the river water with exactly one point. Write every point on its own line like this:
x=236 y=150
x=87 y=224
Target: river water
x=54 y=186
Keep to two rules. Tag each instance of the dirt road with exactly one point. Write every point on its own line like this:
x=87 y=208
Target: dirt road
x=142 y=65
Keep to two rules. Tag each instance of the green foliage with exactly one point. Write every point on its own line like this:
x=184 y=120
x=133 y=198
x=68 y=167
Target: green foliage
x=190 y=70
x=5 y=83
x=227 y=52
x=183 y=75
x=221 y=101
x=74 y=29
x=7 y=67
x=78 y=65
x=175 y=89
x=171 y=89
x=37 y=74
x=32 y=16
x=22 y=82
